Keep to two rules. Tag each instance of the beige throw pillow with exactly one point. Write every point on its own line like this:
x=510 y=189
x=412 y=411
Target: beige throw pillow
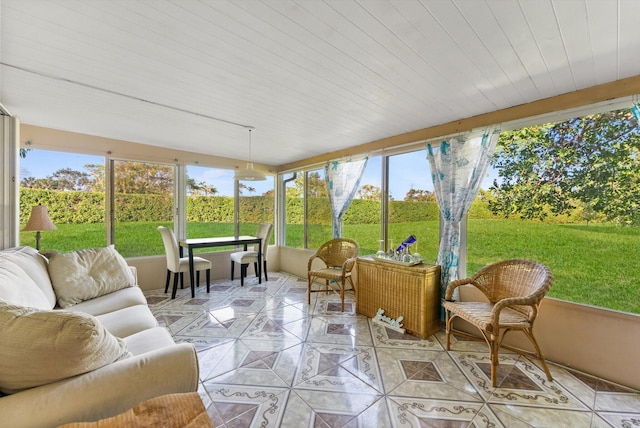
x=35 y=265
x=85 y=274
x=40 y=347
x=17 y=287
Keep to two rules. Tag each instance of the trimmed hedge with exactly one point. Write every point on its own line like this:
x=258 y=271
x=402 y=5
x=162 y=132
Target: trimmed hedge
x=88 y=207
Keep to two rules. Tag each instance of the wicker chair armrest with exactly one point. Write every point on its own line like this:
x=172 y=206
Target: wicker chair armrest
x=505 y=303
x=348 y=264
x=455 y=284
x=315 y=256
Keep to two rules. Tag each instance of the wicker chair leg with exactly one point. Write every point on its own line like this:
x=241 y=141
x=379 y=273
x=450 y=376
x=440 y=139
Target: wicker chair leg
x=308 y=290
x=342 y=296
x=448 y=320
x=493 y=349
x=529 y=334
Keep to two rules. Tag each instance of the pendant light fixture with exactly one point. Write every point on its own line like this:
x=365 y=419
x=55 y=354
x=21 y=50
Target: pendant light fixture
x=249 y=174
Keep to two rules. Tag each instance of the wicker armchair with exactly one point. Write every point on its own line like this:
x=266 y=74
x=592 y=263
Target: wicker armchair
x=339 y=256
x=514 y=289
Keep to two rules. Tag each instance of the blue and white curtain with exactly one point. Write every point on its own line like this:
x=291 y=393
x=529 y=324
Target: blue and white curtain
x=458 y=166
x=343 y=179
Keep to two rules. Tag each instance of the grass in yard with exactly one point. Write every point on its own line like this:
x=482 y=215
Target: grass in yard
x=595 y=264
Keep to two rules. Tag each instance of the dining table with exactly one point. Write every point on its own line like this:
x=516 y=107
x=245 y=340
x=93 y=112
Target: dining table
x=219 y=241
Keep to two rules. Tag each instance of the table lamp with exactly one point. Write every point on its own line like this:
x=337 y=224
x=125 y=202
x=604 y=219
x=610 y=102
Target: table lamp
x=38 y=221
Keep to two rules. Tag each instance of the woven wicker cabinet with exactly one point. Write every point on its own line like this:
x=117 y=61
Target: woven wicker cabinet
x=410 y=291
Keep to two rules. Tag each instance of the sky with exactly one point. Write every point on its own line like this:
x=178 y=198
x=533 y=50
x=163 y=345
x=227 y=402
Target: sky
x=406 y=171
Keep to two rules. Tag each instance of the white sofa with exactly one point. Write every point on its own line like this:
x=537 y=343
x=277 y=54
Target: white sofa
x=99 y=355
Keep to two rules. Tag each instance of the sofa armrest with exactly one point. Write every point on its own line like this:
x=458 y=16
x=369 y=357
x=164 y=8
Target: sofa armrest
x=105 y=392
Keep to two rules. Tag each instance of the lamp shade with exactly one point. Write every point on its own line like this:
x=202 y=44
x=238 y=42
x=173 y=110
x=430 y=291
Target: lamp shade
x=39 y=220
x=249 y=174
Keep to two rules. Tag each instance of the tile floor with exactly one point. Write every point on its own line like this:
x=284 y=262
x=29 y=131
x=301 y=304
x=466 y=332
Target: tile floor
x=268 y=359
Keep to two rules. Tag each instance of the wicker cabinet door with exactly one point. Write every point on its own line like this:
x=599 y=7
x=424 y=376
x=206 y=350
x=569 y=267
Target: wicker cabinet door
x=412 y=292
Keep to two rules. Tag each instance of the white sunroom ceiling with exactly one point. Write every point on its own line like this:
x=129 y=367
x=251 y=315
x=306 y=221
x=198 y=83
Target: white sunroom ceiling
x=311 y=76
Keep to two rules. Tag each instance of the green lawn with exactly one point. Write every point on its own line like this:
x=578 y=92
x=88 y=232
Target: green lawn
x=595 y=264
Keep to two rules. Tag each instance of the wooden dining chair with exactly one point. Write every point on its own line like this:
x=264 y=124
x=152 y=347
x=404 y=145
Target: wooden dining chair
x=245 y=258
x=180 y=265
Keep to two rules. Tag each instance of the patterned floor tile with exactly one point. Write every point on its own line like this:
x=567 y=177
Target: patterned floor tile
x=418 y=412
x=384 y=337
x=326 y=366
x=246 y=362
x=426 y=374
x=331 y=305
x=245 y=406
x=534 y=417
x=333 y=409
x=520 y=382
x=269 y=359
x=340 y=330
x=206 y=325
x=268 y=327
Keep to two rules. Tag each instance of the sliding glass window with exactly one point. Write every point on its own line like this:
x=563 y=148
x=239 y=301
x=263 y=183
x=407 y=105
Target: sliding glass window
x=257 y=202
x=210 y=204
x=413 y=209
x=142 y=200
x=72 y=187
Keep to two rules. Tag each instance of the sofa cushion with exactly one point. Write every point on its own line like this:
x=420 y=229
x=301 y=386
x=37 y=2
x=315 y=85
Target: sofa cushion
x=40 y=347
x=130 y=296
x=149 y=340
x=35 y=265
x=85 y=274
x=127 y=321
x=17 y=288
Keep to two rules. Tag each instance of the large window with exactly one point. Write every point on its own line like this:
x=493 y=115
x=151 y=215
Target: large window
x=362 y=221
x=294 y=210
x=566 y=194
x=210 y=204
x=72 y=187
x=142 y=200
x=413 y=209
x=257 y=202
x=318 y=215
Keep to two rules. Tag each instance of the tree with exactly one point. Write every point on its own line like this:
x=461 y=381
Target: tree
x=316 y=186
x=64 y=179
x=369 y=192
x=96 y=172
x=592 y=161
x=417 y=195
x=143 y=178
x=242 y=187
x=199 y=188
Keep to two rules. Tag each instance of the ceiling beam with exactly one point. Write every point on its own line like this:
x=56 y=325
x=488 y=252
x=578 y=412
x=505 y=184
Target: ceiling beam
x=595 y=94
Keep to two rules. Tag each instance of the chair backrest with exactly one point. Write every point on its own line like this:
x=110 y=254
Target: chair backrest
x=336 y=251
x=514 y=278
x=170 y=248
x=264 y=232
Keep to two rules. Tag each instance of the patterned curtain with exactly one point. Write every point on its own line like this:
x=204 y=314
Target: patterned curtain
x=635 y=109
x=343 y=179
x=457 y=168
